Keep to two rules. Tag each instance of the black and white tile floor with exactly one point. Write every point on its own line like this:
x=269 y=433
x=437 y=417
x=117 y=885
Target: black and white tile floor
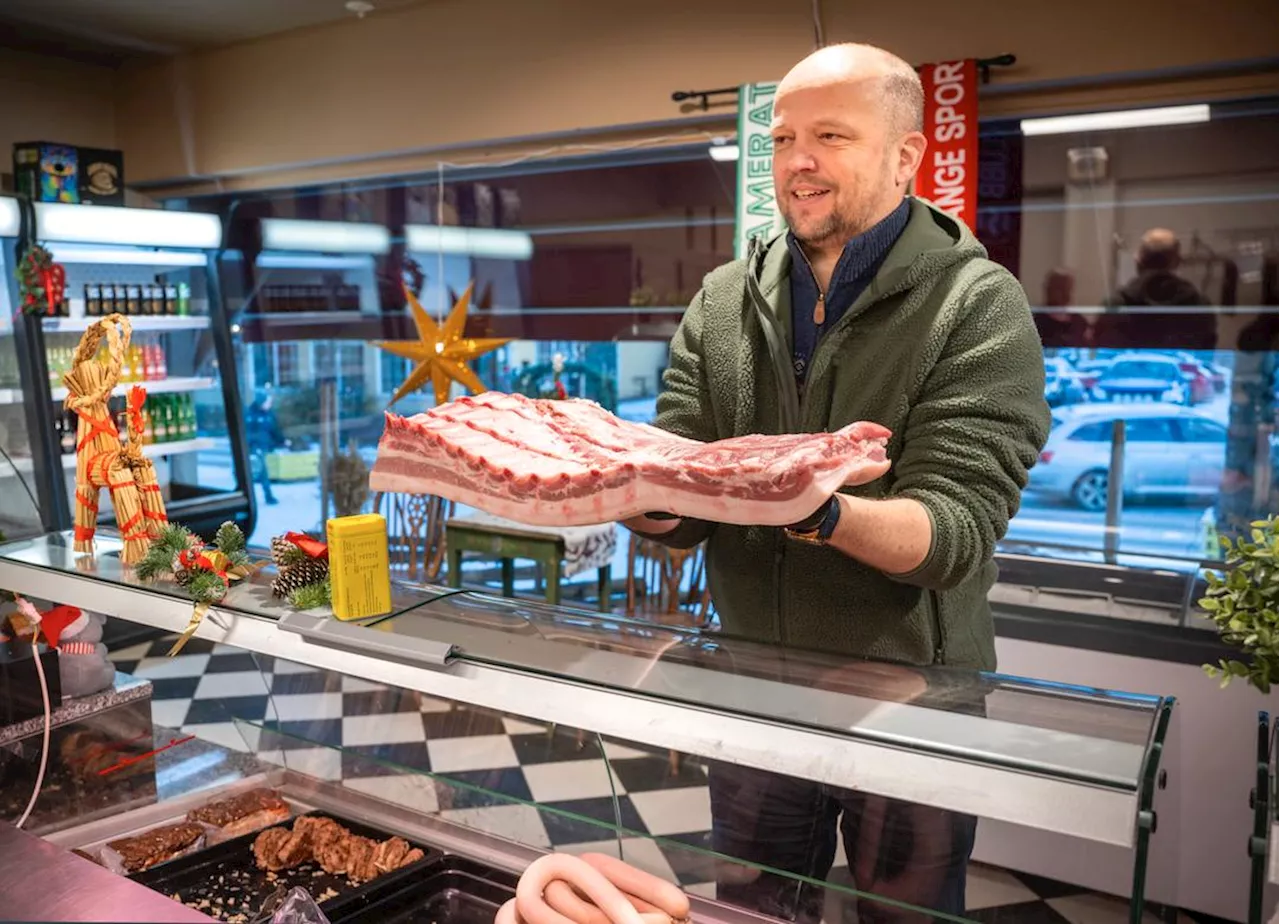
x=372 y=738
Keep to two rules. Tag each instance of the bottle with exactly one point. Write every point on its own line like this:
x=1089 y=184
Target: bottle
x=67 y=434
x=155 y=299
x=92 y=299
x=184 y=299
x=192 y=423
x=118 y=302
x=170 y=299
x=148 y=434
x=159 y=422
x=162 y=366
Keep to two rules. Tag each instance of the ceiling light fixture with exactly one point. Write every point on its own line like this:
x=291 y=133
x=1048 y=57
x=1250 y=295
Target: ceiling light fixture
x=1120 y=119
x=360 y=7
x=725 y=153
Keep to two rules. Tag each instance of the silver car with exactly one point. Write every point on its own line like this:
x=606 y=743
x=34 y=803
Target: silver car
x=1170 y=451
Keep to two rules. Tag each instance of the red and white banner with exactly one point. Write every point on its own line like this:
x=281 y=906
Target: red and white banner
x=949 y=175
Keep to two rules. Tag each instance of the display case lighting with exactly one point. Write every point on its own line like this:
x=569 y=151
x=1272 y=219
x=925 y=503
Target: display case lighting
x=124 y=256
x=1119 y=119
x=313 y=236
x=274 y=260
x=10 y=217
x=107 y=224
x=491 y=243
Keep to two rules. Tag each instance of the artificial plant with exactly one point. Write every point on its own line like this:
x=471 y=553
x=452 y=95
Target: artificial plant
x=204 y=572
x=1243 y=605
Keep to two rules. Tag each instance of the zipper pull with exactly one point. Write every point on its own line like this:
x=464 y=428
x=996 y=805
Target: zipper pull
x=820 y=310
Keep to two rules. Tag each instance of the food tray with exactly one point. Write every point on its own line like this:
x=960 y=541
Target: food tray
x=225 y=883
x=451 y=891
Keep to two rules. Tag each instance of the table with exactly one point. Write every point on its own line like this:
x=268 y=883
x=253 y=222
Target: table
x=550 y=546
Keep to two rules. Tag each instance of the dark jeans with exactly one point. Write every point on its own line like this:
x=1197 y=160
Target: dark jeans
x=909 y=854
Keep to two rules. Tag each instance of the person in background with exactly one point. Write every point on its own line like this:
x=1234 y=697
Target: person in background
x=264 y=435
x=873 y=306
x=1063 y=329
x=1157 y=281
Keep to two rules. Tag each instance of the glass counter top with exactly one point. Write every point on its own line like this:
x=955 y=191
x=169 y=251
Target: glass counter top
x=1097 y=737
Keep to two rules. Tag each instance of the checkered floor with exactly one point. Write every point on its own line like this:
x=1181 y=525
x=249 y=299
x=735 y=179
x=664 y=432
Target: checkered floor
x=373 y=737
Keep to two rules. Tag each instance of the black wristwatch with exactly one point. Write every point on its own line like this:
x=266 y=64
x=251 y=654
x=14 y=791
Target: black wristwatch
x=821 y=526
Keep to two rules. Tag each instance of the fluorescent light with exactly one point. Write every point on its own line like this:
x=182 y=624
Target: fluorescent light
x=494 y=243
x=124 y=256
x=313 y=261
x=10 y=218
x=324 y=236
x=724 y=152
x=1111 y=121
x=108 y=224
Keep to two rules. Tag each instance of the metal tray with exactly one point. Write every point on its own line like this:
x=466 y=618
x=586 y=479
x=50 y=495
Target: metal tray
x=452 y=890
x=225 y=883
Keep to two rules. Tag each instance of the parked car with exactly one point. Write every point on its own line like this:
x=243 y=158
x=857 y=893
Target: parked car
x=1215 y=375
x=1062 y=383
x=1170 y=451
x=1144 y=377
x=1090 y=371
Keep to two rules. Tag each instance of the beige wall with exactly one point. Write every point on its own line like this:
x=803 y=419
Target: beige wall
x=323 y=103
x=49 y=99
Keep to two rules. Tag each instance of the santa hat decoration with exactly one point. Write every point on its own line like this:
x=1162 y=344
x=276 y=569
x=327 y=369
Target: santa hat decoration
x=63 y=620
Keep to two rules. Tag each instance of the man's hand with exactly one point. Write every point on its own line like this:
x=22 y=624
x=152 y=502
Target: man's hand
x=652 y=524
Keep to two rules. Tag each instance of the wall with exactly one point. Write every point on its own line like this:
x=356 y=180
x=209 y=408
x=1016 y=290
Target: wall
x=320 y=103
x=50 y=99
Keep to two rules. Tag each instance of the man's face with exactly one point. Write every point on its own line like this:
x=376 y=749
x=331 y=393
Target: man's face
x=833 y=162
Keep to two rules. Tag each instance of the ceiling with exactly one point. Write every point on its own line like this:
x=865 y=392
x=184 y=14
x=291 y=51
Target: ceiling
x=110 y=31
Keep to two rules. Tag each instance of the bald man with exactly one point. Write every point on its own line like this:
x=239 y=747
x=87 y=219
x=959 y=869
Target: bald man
x=873 y=306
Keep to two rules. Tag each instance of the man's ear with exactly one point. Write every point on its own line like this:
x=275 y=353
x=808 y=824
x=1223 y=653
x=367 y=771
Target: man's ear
x=910 y=155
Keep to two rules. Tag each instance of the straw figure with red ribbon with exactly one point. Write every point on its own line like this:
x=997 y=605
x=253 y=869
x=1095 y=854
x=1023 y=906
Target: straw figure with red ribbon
x=100 y=458
x=42 y=284
x=144 y=470
x=302 y=563
x=205 y=572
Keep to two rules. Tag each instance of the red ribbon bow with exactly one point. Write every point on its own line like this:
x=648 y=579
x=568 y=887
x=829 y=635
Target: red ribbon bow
x=193 y=558
x=137 y=397
x=313 y=547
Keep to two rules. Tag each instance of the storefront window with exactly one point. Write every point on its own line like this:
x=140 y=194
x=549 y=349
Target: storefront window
x=1148 y=255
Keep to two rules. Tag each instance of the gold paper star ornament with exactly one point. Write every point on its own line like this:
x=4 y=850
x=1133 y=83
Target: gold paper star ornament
x=442 y=353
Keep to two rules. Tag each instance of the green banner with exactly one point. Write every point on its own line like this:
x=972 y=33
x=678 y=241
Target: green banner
x=757 y=209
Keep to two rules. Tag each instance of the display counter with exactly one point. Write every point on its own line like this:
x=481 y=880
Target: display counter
x=1077 y=761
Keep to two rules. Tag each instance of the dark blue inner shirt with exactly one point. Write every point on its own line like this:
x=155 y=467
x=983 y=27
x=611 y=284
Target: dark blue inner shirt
x=854 y=271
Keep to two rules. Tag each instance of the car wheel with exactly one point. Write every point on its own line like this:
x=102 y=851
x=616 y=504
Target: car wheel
x=1090 y=491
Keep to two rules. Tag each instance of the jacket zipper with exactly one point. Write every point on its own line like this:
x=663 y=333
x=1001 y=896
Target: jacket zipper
x=936 y=612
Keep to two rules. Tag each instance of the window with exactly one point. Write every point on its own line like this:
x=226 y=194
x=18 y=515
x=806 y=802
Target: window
x=1149 y=430
x=1201 y=431
x=1099 y=432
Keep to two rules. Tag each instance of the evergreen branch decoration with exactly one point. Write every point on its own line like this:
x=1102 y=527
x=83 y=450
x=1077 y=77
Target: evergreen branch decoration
x=1243 y=605
x=162 y=556
x=312 y=596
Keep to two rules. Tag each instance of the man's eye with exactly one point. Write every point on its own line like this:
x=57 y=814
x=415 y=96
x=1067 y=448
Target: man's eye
x=828 y=136
x=778 y=142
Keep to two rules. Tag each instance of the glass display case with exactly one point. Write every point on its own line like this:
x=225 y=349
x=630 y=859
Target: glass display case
x=929 y=752
x=154 y=267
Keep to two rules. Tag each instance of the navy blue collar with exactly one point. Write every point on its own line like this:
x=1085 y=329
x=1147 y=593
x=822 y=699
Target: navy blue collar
x=861 y=257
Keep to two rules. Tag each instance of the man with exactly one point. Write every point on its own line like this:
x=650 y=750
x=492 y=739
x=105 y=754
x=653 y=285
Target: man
x=875 y=306
x=1157 y=284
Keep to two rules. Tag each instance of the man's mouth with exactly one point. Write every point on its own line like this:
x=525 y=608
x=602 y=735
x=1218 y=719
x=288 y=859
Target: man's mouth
x=807 y=195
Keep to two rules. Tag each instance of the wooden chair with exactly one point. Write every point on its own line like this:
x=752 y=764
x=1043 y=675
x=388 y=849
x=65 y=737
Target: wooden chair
x=415 y=532
x=655 y=576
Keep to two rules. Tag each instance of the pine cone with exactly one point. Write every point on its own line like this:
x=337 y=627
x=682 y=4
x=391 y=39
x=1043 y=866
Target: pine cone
x=182 y=576
x=282 y=550
x=308 y=571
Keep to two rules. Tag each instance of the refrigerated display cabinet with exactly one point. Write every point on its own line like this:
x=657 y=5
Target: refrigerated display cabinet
x=1078 y=761
x=157 y=268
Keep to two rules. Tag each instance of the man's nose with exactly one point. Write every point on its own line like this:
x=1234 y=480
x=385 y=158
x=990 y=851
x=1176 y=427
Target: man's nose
x=800 y=160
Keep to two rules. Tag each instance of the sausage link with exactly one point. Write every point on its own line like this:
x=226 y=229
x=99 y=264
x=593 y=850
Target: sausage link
x=533 y=908
x=665 y=896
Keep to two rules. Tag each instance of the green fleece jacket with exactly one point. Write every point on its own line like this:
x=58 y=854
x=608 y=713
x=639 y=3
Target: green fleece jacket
x=941 y=349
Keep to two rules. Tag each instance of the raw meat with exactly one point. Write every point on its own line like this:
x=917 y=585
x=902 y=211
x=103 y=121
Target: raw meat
x=571 y=463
